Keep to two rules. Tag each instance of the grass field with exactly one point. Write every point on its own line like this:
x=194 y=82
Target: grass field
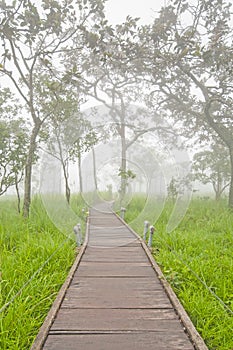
x=197 y=260
x=35 y=259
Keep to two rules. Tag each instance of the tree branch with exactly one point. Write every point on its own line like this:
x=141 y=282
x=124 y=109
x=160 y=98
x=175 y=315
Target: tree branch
x=17 y=64
x=9 y=74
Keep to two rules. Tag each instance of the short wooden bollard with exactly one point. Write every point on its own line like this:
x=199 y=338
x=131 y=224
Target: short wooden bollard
x=123 y=210
x=146 y=228
x=152 y=230
x=77 y=231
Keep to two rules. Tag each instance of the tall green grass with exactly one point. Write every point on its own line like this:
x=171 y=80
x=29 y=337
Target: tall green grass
x=35 y=259
x=197 y=260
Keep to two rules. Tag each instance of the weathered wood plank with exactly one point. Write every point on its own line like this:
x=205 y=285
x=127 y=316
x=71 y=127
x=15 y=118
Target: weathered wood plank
x=110 y=255
x=116 y=319
x=116 y=301
x=128 y=341
x=114 y=270
x=120 y=284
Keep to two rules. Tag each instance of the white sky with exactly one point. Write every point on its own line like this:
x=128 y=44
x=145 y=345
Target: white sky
x=117 y=10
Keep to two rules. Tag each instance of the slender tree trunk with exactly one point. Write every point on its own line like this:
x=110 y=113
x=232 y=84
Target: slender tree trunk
x=67 y=191
x=80 y=174
x=94 y=169
x=65 y=170
x=218 y=187
x=230 y=201
x=67 y=187
x=18 y=195
x=28 y=169
x=218 y=195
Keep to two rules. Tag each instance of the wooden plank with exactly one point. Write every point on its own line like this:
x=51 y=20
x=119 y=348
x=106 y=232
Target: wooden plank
x=115 y=293
x=112 y=255
x=108 y=239
x=115 y=250
x=115 y=254
x=115 y=320
x=110 y=244
x=130 y=302
x=114 y=270
x=117 y=265
x=120 y=284
x=118 y=230
x=106 y=222
x=128 y=341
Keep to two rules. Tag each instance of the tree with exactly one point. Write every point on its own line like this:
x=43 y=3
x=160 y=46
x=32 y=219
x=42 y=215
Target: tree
x=189 y=68
x=82 y=144
x=63 y=129
x=108 y=80
x=213 y=166
x=69 y=137
x=172 y=189
x=127 y=176
x=34 y=36
x=13 y=144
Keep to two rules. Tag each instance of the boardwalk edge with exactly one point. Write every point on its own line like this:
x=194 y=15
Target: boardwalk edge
x=44 y=330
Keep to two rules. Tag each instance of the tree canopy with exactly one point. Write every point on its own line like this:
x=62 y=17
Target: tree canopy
x=178 y=69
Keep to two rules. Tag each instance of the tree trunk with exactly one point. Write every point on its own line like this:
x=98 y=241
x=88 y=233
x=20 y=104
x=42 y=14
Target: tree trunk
x=218 y=187
x=80 y=175
x=94 y=169
x=218 y=195
x=18 y=194
x=67 y=187
x=28 y=169
x=230 y=200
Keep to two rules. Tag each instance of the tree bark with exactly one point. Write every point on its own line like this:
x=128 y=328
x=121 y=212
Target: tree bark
x=28 y=169
x=218 y=195
x=18 y=195
x=64 y=164
x=67 y=187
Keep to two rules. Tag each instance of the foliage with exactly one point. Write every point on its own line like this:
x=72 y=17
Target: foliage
x=172 y=189
x=213 y=166
x=13 y=142
x=188 y=68
x=127 y=174
x=33 y=36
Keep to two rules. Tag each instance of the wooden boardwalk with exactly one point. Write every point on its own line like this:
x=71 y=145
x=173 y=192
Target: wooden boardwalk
x=114 y=300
